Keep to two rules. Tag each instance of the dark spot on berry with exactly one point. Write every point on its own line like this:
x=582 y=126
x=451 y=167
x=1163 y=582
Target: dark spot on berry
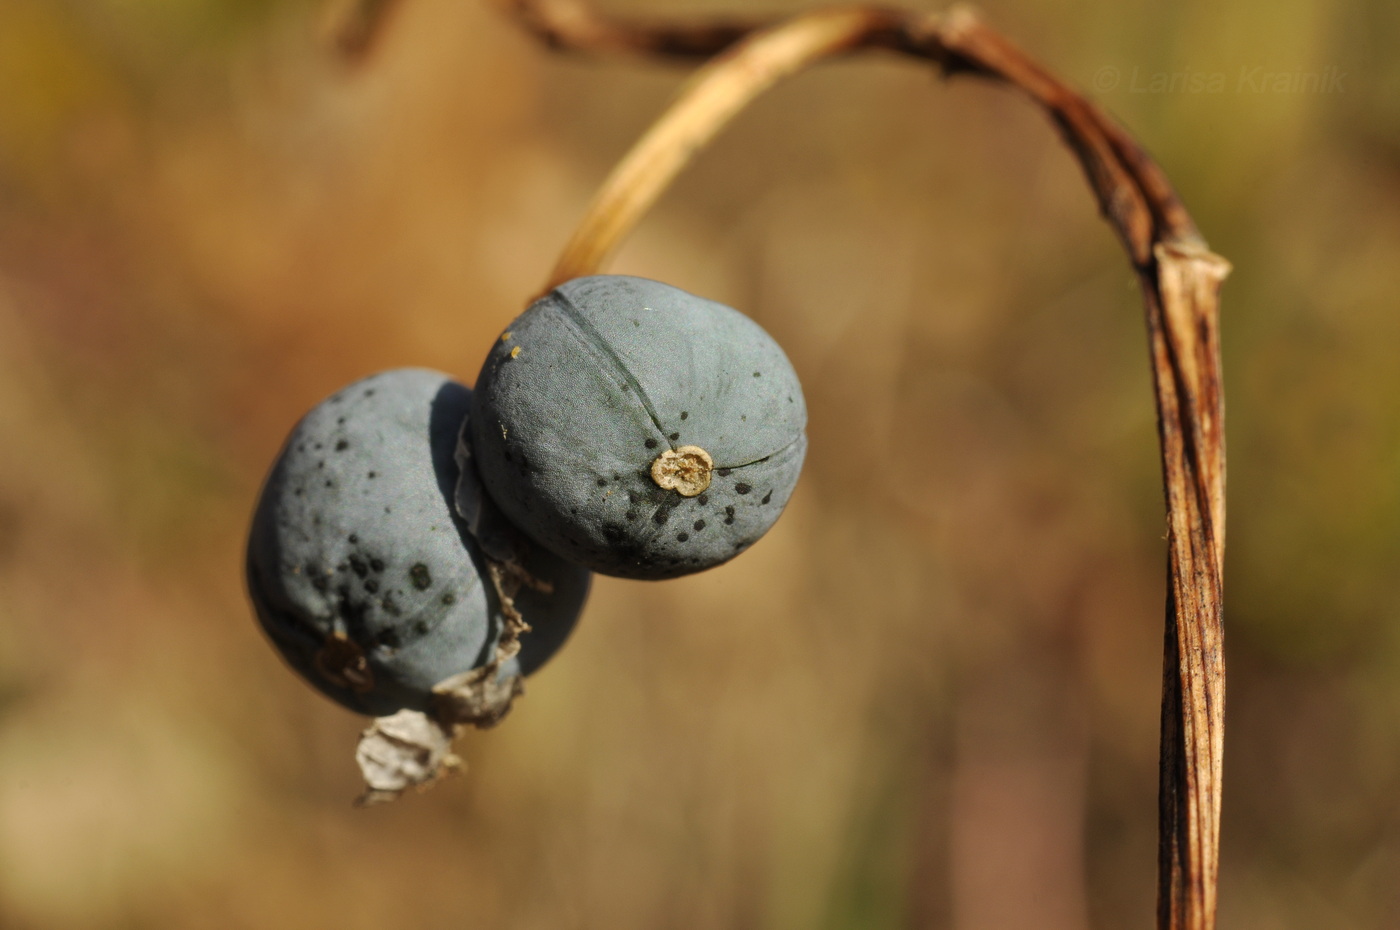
x=318 y=447
x=388 y=638
x=420 y=576
x=389 y=606
x=684 y=415
x=704 y=499
x=377 y=564
x=758 y=374
x=674 y=436
x=421 y=627
x=339 y=421
x=297 y=492
x=661 y=516
x=682 y=537
x=319 y=582
x=372 y=586
x=767 y=497
x=369 y=393
x=602 y=482
x=321 y=464
x=631 y=515
x=724 y=473
x=373 y=474
x=738 y=545
x=651 y=443
x=742 y=488
x=699 y=525
x=361 y=569
x=330 y=483
x=448 y=599
x=353 y=539
x=342 y=446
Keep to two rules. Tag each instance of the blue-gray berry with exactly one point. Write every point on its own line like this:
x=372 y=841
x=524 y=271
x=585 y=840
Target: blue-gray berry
x=638 y=429
x=360 y=570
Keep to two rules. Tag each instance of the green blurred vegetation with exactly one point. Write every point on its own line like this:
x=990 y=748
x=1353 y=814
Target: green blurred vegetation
x=929 y=698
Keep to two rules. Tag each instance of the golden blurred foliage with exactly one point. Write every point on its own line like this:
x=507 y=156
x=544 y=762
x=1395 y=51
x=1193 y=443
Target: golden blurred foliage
x=927 y=699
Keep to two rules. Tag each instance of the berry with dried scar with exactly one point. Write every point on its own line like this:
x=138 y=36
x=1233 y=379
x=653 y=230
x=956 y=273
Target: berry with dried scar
x=638 y=429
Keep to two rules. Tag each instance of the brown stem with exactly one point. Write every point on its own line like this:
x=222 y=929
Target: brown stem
x=717 y=92
x=1180 y=280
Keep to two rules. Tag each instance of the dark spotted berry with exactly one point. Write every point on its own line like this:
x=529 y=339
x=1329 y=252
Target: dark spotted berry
x=359 y=568
x=632 y=400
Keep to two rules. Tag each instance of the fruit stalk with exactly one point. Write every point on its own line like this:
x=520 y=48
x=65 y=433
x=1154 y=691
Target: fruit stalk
x=1180 y=280
x=717 y=93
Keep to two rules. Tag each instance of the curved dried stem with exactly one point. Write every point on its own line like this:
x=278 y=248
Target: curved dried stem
x=718 y=92
x=1180 y=280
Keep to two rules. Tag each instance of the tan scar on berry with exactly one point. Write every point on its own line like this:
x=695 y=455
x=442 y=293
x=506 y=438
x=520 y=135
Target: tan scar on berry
x=685 y=470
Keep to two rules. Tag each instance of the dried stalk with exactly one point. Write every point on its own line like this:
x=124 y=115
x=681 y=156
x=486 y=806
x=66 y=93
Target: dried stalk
x=716 y=94
x=1180 y=280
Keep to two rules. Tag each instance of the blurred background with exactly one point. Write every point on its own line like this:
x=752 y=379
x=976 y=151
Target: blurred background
x=929 y=698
